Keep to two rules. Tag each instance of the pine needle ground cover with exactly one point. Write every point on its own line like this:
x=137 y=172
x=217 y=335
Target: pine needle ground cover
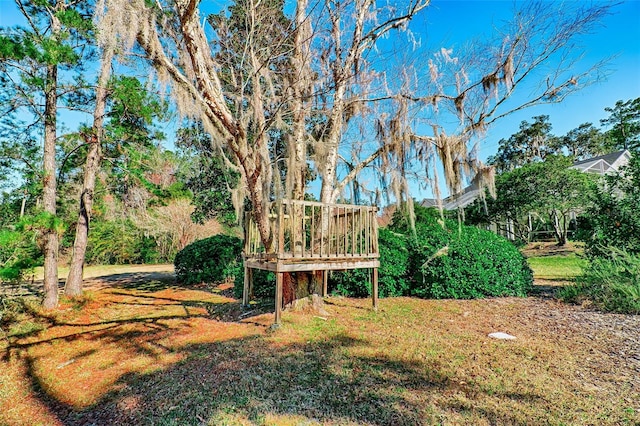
x=138 y=349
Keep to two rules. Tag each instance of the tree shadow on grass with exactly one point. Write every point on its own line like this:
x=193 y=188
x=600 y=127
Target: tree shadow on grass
x=258 y=380
x=251 y=380
x=235 y=374
x=142 y=281
x=149 y=299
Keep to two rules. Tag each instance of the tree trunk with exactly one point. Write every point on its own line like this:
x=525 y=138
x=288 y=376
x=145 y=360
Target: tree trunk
x=298 y=286
x=49 y=190
x=73 y=285
x=250 y=159
x=23 y=204
x=561 y=237
x=301 y=82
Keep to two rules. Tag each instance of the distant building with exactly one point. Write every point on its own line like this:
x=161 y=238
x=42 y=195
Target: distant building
x=461 y=199
x=604 y=164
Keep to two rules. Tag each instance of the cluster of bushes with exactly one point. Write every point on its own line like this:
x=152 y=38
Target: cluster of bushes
x=611 y=283
x=120 y=242
x=441 y=260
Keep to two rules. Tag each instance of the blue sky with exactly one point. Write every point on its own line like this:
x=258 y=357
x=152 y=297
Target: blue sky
x=448 y=23
x=618 y=37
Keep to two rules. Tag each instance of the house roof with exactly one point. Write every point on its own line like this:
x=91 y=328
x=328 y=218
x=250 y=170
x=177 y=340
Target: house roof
x=604 y=163
x=452 y=202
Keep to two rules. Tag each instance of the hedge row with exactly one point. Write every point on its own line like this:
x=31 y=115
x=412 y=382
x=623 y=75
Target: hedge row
x=439 y=260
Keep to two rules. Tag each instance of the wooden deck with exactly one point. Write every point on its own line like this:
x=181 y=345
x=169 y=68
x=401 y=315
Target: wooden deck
x=312 y=236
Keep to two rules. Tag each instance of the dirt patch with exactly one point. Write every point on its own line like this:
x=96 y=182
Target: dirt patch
x=546 y=248
x=607 y=345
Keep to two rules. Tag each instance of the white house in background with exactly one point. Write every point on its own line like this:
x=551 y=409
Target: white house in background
x=452 y=202
x=603 y=164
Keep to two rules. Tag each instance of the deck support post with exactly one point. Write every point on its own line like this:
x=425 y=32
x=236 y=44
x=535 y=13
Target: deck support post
x=245 y=289
x=278 y=314
x=374 y=290
x=325 y=275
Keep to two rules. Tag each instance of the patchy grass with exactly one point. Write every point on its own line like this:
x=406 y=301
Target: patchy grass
x=557 y=267
x=94 y=271
x=141 y=350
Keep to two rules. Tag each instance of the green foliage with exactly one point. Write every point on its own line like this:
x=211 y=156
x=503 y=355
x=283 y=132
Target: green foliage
x=443 y=260
x=475 y=264
x=532 y=143
x=211 y=259
x=448 y=260
x=72 y=19
x=624 y=120
x=120 y=242
x=432 y=234
x=49 y=51
x=612 y=283
x=612 y=235
x=548 y=190
x=614 y=216
x=585 y=141
x=392 y=280
x=19 y=253
x=206 y=175
x=132 y=112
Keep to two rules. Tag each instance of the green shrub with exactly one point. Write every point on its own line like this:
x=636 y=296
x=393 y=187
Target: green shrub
x=611 y=283
x=212 y=259
x=19 y=252
x=475 y=264
x=119 y=242
x=614 y=216
x=441 y=260
x=392 y=274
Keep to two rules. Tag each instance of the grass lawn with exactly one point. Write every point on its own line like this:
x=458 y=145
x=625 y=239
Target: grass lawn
x=138 y=349
x=557 y=267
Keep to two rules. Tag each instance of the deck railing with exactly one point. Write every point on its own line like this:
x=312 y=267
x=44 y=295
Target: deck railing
x=312 y=230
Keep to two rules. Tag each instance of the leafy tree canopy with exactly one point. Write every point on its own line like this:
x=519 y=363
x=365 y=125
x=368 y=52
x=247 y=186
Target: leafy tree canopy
x=206 y=175
x=533 y=142
x=549 y=190
x=624 y=120
x=613 y=218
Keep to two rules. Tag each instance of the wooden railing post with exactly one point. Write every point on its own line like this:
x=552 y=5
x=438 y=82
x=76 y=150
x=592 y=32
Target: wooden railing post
x=325 y=279
x=280 y=228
